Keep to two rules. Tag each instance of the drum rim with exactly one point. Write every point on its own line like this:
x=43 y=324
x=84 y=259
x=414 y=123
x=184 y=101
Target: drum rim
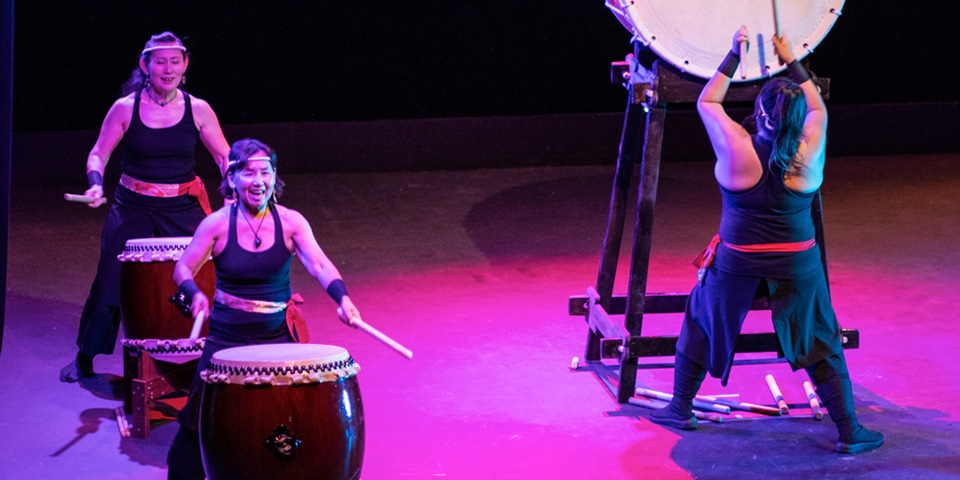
x=310 y=368
x=160 y=240
x=627 y=14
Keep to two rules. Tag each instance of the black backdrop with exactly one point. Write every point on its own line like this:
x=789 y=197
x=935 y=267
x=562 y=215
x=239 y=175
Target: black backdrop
x=261 y=62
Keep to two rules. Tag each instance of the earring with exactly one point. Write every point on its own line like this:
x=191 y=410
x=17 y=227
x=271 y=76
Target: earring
x=183 y=80
x=146 y=82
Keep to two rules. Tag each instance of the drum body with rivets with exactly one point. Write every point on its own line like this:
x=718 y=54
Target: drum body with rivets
x=150 y=321
x=286 y=411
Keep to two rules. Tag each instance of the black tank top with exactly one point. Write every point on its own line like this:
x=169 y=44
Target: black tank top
x=768 y=212
x=255 y=275
x=160 y=155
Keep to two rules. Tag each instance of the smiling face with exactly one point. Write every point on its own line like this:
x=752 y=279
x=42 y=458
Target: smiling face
x=165 y=67
x=255 y=182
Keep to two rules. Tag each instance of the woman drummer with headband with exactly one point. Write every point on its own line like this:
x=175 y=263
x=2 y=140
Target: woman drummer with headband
x=155 y=124
x=769 y=170
x=252 y=243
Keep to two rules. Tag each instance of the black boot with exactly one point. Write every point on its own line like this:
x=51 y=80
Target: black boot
x=834 y=389
x=81 y=367
x=687 y=377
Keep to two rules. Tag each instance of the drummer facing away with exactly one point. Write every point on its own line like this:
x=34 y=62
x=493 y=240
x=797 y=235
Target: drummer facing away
x=252 y=242
x=769 y=170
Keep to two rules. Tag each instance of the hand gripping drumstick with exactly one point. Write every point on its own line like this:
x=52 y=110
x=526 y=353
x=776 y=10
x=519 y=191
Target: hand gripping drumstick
x=777 y=396
x=814 y=402
x=776 y=21
x=380 y=336
x=96 y=202
x=197 y=326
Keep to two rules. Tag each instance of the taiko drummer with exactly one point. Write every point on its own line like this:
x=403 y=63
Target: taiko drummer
x=155 y=125
x=252 y=243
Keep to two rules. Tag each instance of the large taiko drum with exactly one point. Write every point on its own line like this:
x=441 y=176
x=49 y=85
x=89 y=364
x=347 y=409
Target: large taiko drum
x=695 y=35
x=289 y=411
x=150 y=321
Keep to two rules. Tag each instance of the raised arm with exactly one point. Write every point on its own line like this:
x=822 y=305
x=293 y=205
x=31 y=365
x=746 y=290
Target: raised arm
x=737 y=167
x=210 y=132
x=811 y=152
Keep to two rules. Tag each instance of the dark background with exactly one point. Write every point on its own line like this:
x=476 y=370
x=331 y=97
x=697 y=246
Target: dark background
x=279 y=61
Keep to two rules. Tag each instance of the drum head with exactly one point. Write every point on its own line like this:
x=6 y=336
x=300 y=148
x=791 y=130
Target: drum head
x=280 y=364
x=281 y=354
x=163 y=249
x=695 y=35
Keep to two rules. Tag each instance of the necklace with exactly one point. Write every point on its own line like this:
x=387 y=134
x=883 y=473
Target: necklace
x=158 y=102
x=256 y=232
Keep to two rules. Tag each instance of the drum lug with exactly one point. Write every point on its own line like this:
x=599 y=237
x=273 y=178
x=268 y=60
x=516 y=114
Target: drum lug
x=283 y=443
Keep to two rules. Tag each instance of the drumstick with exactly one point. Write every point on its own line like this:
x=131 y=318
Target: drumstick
x=776 y=22
x=777 y=396
x=197 y=326
x=84 y=199
x=383 y=338
x=643 y=402
x=776 y=16
x=814 y=402
x=743 y=58
x=748 y=407
x=703 y=405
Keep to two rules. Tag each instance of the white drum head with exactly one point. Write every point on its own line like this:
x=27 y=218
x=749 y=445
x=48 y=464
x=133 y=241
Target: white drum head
x=280 y=364
x=695 y=35
x=163 y=249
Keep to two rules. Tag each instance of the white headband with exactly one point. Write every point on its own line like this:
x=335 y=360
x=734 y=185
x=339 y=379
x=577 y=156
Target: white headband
x=161 y=47
x=260 y=157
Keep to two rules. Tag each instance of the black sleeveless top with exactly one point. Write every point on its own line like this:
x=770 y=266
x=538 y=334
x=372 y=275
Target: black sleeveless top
x=160 y=155
x=768 y=212
x=254 y=275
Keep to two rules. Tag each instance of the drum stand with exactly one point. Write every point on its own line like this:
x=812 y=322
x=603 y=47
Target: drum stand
x=650 y=89
x=150 y=379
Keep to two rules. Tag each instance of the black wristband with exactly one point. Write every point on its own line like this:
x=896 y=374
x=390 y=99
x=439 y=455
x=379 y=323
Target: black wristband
x=188 y=288
x=729 y=65
x=797 y=73
x=337 y=290
x=94 y=178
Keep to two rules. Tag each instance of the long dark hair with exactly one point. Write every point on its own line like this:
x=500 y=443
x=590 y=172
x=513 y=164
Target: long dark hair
x=779 y=111
x=138 y=79
x=240 y=152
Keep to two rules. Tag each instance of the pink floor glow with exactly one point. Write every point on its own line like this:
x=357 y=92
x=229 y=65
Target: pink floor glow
x=472 y=270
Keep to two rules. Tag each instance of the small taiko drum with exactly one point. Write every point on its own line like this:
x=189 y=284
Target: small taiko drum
x=150 y=321
x=287 y=411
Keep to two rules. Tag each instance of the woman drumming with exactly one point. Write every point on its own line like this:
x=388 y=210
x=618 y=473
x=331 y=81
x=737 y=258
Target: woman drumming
x=252 y=243
x=155 y=124
x=769 y=171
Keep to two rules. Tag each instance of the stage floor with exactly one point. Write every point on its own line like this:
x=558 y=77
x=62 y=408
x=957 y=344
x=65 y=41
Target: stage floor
x=472 y=271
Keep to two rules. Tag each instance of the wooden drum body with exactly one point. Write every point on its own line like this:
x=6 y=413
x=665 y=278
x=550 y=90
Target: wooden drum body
x=286 y=411
x=147 y=284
